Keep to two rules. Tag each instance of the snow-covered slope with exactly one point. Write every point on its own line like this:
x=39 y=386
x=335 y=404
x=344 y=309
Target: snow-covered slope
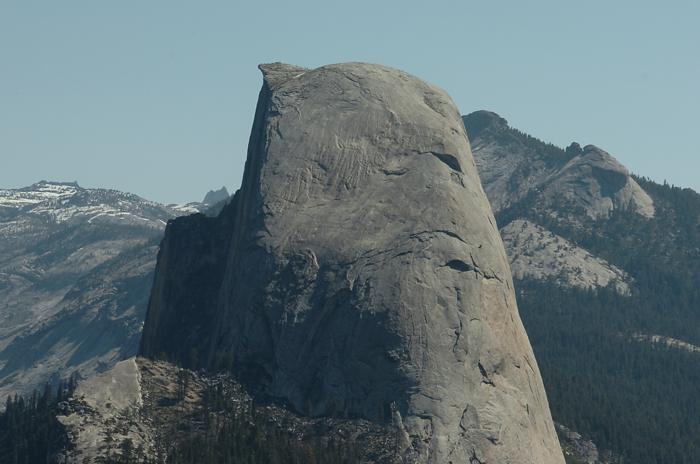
x=211 y=205
x=38 y=193
x=58 y=202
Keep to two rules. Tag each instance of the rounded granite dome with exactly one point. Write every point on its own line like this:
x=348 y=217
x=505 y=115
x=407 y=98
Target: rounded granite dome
x=365 y=276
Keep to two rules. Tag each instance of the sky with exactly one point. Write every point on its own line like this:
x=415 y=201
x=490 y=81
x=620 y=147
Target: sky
x=157 y=97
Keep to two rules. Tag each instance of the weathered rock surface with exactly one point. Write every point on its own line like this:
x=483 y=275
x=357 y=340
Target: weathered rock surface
x=537 y=253
x=599 y=184
x=515 y=167
x=364 y=272
x=576 y=448
x=104 y=411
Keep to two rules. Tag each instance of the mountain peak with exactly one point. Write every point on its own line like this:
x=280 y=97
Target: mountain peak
x=513 y=166
x=593 y=149
x=482 y=120
x=52 y=185
x=58 y=182
x=276 y=73
x=574 y=149
x=214 y=196
x=256 y=284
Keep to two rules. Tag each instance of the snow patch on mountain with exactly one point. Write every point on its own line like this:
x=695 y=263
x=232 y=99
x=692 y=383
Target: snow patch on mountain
x=59 y=202
x=38 y=193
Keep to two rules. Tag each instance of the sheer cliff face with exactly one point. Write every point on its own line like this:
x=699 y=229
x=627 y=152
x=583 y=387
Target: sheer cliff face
x=365 y=276
x=191 y=265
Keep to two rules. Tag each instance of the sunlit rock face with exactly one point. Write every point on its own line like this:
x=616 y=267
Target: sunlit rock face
x=536 y=253
x=362 y=274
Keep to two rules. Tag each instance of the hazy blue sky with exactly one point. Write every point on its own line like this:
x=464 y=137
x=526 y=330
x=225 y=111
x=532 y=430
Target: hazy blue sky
x=157 y=97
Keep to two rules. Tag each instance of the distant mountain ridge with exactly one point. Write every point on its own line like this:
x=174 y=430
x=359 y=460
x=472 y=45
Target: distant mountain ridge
x=515 y=167
x=575 y=185
x=211 y=205
x=605 y=266
x=75 y=273
x=215 y=196
x=537 y=253
x=60 y=202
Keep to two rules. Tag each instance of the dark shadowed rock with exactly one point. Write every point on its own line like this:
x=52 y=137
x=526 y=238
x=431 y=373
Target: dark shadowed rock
x=215 y=196
x=574 y=149
x=191 y=264
x=364 y=275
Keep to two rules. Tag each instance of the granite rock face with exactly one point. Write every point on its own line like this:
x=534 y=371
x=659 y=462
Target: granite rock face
x=364 y=275
x=191 y=265
x=537 y=253
x=600 y=184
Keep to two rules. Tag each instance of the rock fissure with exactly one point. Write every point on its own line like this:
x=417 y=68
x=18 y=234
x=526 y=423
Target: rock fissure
x=449 y=233
x=450 y=160
x=484 y=375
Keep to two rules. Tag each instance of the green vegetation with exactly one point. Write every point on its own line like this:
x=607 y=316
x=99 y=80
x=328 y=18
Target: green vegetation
x=29 y=430
x=638 y=399
x=230 y=433
x=237 y=441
